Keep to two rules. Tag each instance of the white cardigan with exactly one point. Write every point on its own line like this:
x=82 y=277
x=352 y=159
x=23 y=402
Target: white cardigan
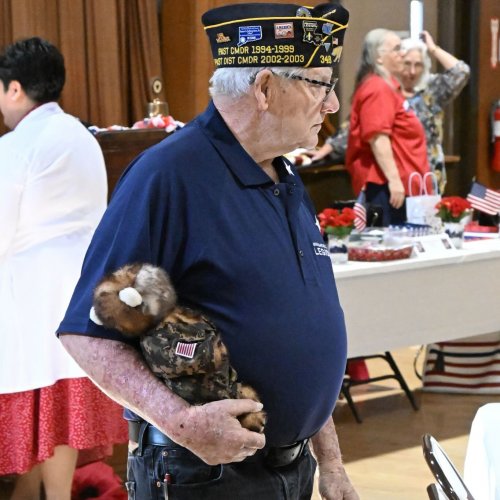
x=53 y=192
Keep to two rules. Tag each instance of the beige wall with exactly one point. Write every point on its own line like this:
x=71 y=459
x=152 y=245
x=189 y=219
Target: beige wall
x=366 y=15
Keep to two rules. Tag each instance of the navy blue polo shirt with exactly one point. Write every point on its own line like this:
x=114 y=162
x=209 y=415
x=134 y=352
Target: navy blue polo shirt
x=242 y=249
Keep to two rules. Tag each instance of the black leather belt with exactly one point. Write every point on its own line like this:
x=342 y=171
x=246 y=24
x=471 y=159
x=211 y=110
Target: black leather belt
x=281 y=456
x=274 y=456
x=150 y=434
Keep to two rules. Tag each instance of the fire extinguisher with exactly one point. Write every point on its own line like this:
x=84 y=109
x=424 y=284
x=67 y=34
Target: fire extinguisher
x=495 y=136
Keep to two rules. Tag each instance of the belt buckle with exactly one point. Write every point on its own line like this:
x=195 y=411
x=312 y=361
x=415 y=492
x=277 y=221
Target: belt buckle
x=285 y=455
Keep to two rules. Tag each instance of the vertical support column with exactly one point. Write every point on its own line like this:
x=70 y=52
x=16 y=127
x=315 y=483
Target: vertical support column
x=416 y=18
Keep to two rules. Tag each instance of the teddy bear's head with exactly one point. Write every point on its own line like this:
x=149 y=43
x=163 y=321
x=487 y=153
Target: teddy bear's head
x=133 y=299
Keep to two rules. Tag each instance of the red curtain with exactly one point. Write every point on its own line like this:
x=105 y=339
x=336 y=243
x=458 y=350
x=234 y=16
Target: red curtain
x=111 y=50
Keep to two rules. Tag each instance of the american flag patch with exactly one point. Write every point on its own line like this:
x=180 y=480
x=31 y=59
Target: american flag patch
x=185 y=349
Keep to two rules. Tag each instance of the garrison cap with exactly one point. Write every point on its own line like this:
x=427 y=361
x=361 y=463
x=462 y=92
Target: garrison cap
x=273 y=34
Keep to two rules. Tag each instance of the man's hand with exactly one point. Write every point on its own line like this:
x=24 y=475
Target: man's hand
x=213 y=432
x=334 y=483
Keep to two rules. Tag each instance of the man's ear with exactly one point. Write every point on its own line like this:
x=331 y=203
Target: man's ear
x=15 y=91
x=263 y=88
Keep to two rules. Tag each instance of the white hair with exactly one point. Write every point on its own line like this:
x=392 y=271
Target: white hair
x=411 y=44
x=235 y=82
x=370 y=53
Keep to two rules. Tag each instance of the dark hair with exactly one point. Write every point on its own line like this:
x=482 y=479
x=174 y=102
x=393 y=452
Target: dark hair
x=37 y=65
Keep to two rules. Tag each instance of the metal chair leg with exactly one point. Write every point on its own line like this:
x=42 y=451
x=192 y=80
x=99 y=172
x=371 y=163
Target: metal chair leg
x=399 y=377
x=396 y=374
x=346 y=392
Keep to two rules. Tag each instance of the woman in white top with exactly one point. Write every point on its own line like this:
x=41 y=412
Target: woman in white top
x=52 y=194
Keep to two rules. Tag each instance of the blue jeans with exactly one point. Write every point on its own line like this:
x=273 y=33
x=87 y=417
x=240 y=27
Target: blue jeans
x=379 y=195
x=193 y=479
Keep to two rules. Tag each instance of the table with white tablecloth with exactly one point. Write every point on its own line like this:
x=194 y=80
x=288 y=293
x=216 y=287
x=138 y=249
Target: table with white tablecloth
x=389 y=305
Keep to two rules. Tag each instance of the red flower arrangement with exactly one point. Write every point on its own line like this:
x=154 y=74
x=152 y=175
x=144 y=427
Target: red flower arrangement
x=452 y=208
x=339 y=223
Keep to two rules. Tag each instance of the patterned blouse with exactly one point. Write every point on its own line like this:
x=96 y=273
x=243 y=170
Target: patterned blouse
x=428 y=104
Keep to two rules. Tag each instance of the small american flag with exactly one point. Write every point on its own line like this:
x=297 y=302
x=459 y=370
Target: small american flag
x=484 y=199
x=360 y=212
x=185 y=349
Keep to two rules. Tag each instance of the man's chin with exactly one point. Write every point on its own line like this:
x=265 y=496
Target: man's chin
x=311 y=144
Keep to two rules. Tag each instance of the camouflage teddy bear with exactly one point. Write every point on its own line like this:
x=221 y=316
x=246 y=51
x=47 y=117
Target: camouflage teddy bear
x=181 y=346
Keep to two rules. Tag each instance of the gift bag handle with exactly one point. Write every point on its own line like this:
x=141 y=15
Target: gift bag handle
x=422 y=181
x=432 y=175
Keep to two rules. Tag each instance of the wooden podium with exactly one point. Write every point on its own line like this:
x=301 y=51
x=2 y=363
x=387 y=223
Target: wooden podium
x=120 y=147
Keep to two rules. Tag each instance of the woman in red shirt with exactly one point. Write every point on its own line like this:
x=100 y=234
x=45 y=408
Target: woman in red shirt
x=386 y=141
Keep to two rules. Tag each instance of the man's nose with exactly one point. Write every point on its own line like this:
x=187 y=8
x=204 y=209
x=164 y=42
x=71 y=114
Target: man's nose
x=331 y=103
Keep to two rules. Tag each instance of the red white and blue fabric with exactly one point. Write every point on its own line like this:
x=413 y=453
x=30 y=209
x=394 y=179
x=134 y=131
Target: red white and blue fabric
x=470 y=365
x=484 y=199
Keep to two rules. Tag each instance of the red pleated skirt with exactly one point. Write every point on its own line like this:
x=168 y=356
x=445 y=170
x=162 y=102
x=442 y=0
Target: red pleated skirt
x=71 y=412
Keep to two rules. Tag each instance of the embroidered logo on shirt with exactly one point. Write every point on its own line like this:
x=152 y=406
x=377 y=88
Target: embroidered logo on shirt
x=320 y=249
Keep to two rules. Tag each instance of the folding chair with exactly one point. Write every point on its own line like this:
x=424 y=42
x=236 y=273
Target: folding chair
x=449 y=481
x=348 y=382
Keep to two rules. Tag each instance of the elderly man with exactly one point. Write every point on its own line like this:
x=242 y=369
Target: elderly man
x=219 y=208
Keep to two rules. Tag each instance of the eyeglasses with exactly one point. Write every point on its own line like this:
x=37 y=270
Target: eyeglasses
x=318 y=83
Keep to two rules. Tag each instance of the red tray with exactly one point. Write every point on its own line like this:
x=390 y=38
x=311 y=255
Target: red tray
x=377 y=254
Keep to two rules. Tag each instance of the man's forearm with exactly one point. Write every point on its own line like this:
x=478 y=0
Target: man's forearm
x=121 y=372
x=211 y=431
x=325 y=445
x=334 y=484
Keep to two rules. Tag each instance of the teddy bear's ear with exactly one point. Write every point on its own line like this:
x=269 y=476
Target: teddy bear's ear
x=130 y=296
x=94 y=317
